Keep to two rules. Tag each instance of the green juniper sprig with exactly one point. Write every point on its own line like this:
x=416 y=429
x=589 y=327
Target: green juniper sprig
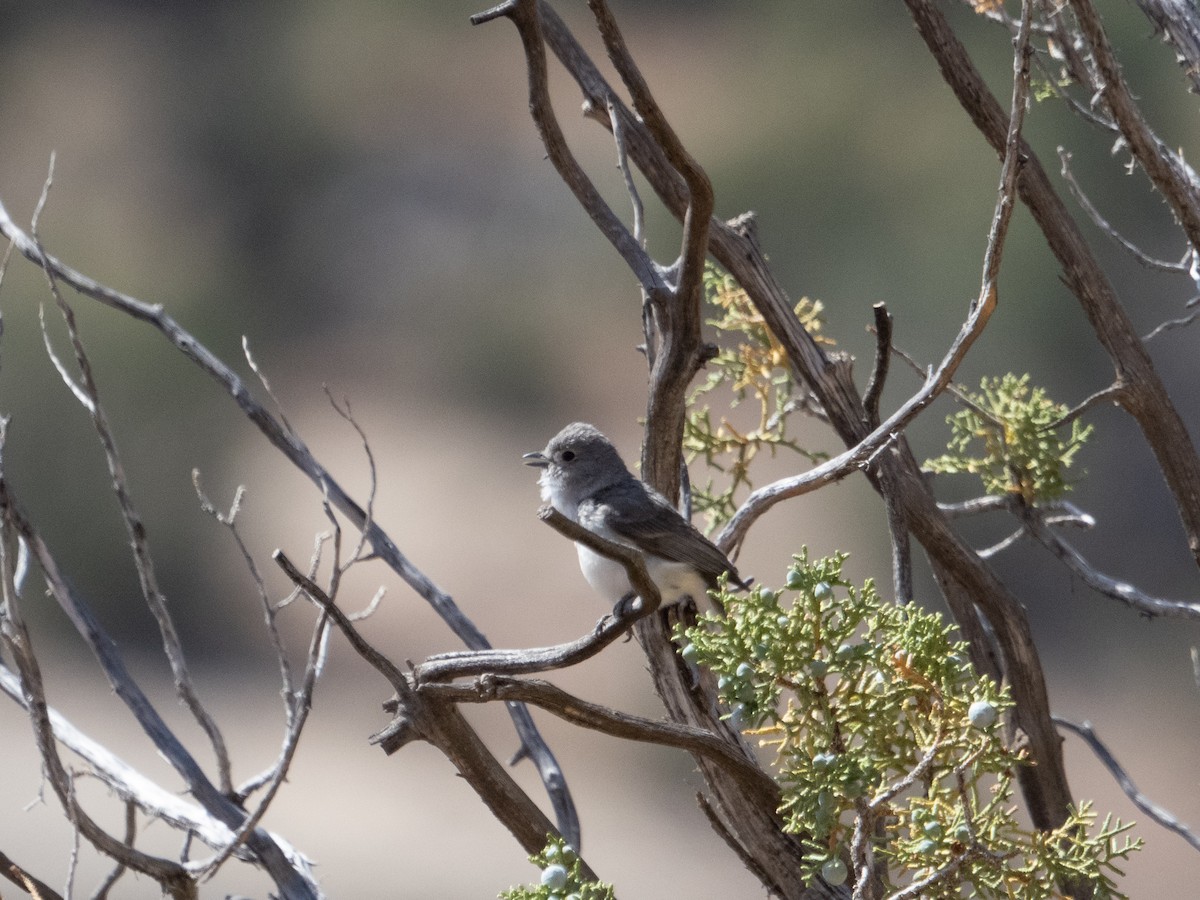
x=1022 y=450
x=887 y=743
x=562 y=877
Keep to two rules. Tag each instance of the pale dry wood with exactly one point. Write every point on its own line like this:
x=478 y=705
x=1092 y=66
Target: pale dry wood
x=284 y=439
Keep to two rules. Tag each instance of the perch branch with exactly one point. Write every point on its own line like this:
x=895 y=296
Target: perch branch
x=566 y=706
x=448 y=666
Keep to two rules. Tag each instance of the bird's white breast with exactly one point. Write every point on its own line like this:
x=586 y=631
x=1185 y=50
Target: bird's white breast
x=608 y=579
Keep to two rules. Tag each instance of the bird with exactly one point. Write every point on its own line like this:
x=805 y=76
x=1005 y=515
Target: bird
x=584 y=478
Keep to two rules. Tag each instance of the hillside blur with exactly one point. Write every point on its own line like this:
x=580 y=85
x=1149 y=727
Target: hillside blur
x=357 y=189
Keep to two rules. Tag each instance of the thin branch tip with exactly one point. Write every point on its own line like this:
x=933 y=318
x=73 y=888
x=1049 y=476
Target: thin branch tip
x=496 y=12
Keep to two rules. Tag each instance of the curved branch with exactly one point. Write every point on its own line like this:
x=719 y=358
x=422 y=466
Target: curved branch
x=1169 y=174
x=125 y=781
x=1179 y=22
x=525 y=15
x=1140 y=800
x=1150 y=262
x=566 y=706
x=1111 y=587
x=1147 y=399
x=448 y=666
x=31 y=885
x=294 y=449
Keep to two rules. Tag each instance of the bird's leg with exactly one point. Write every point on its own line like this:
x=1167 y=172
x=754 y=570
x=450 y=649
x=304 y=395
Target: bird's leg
x=627 y=606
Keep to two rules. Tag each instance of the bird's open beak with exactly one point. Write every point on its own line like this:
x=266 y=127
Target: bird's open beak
x=537 y=459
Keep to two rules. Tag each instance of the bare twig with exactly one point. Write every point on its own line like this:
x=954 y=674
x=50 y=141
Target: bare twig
x=89 y=395
x=1131 y=596
x=570 y=708
x=1114 y=393
x=343 y=410
x=229 y=521
x=883 y=357
x=281 y=436
x=639 y=211
x=101 y=892
x=1172 y=177
x=34 y=887
x=1171 y=324
x=1001 y=545
x=1136 y=252
x=1140 y=800
x=973 y=506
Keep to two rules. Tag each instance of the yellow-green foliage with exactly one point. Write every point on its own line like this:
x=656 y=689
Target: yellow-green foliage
x=752 y=364
x=874 y=710
x=1019 y=451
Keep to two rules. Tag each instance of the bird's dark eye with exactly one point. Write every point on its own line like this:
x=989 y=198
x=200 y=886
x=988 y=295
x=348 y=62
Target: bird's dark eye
x=567 y=455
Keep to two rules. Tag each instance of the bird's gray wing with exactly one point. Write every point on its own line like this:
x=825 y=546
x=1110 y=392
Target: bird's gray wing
x=647 y=520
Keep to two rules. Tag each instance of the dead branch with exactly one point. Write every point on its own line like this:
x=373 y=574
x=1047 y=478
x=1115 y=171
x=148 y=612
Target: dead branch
x=1147 y=400
x=88 y=393
x=1170 y=175
x=423 y=717
x=1140 y=800
x=286 y=870
x=289 y=444
x=570 y=708
x=34 y=887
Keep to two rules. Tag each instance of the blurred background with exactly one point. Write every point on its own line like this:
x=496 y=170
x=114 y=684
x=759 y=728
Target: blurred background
x=356 y=188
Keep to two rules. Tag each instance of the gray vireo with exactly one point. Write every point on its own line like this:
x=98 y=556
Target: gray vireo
x=584 y=478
